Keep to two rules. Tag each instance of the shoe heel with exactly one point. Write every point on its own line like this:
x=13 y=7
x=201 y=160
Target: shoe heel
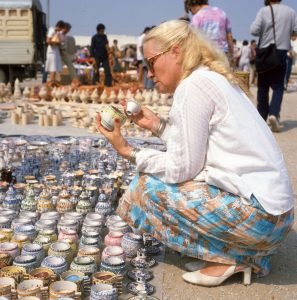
x=247 y=274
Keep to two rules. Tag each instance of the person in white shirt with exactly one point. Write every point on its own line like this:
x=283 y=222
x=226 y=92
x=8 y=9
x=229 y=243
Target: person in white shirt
x=220 y=192
x=139 y=54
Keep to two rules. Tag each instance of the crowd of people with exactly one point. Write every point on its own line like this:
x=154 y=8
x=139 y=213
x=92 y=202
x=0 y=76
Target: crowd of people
x=220 y=193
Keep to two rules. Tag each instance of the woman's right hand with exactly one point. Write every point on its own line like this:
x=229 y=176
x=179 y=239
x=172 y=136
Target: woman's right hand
x=146 y=119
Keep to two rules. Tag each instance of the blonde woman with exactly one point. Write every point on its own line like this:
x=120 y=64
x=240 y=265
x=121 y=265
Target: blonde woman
x=220 y=192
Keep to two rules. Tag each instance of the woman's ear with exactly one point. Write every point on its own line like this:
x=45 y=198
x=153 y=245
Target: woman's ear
x=176 y=51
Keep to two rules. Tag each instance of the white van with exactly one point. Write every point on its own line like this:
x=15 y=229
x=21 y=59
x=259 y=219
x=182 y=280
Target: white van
x=22 y=39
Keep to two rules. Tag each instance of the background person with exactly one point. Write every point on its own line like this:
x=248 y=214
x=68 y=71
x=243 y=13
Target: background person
x=116 y=55
x=53 y=64
x=285 y=27
x=68 y=50
x=139 y=54
x=214 y=22
x=245 y=57
x=100 y=52
x=202 y=196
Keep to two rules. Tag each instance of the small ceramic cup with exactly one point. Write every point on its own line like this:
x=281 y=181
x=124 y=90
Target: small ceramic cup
x=132 y=107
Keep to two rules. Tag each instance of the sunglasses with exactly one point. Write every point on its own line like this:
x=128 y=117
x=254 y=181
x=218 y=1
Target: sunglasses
x=151 y=60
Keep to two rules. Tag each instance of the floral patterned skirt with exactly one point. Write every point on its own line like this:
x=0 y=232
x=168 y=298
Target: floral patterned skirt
x=203 y=221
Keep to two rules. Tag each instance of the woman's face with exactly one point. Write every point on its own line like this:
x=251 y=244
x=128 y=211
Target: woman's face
x=164 y=67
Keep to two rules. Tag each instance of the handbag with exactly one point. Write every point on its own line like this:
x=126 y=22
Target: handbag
x=267 y=58
x=55 y=39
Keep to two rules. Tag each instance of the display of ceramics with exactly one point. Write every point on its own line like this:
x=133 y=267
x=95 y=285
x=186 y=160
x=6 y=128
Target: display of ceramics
x=62 y=217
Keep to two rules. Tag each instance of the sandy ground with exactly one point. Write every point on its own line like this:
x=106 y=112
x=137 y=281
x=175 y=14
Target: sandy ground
x=281 y=284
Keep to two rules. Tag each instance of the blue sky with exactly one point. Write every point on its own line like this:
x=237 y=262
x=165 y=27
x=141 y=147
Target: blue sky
x=131 y=16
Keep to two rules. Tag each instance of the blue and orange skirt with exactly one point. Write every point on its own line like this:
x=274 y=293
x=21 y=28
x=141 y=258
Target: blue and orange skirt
x=205 y=222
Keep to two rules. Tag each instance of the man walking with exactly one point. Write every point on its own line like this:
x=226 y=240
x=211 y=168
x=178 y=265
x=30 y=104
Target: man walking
x=100 y=52
x=285 y=20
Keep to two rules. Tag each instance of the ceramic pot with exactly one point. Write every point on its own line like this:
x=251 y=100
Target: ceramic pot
x=4 y=222
x=84 y=264
x=5 y=260
x=131 y=242
x=61 y=289
x=120 y=226
x=92 y=252
x=66 y=224
x=103 y=291
x=6 y=286
x=113 y=264
x=57 y=264
x=45 y=274
x=26 y=261
x=50 y=233
x=8 y=213
x=20 y=221
x=32 y=287
x=74 y=276
x=44 y=241
x=33 y=216
x=50 y=215
x=36 y=250
x=73 y=215
x=113 y=238
x=68 y=234
x=103 y=208
x=95 y=216
x=90 y=225
x=9 y=248
x=28 y=230
x=112 y=219
x=45 y=224
x=115 y=251
x=8 y=232
x=61 y=249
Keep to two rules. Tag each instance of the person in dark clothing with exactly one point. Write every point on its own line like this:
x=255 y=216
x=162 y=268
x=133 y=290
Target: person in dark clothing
x=100 y=51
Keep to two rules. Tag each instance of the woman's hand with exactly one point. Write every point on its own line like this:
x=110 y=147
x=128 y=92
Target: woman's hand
x=145 y=119
x=115 y=137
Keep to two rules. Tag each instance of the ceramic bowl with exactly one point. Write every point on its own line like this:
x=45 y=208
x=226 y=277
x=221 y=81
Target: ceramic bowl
x=103 y=291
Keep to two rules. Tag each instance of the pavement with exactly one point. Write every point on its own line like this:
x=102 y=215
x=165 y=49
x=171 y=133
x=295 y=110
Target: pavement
x=281 y=284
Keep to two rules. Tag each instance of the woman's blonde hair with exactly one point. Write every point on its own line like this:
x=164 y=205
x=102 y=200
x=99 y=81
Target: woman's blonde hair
x=196 y=49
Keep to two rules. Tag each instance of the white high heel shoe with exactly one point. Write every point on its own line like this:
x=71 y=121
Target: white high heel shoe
x=205 y=280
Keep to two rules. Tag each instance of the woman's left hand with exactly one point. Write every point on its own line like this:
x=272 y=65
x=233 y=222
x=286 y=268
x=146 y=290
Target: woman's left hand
x=115 y=137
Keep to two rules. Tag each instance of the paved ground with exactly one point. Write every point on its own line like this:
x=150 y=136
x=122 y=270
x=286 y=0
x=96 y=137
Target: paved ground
x=282 y=282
